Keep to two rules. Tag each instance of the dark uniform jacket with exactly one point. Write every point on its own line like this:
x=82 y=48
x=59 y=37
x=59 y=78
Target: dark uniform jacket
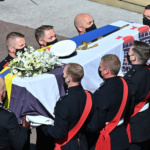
x=107 y=101
x=6 y=60
x=138 y=79
x=10 y=132
x=68 y=111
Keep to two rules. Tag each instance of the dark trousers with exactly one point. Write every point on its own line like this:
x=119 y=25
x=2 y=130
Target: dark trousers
x=140 y=146
x=43 y=142
x=27 y=144
x=6 y=148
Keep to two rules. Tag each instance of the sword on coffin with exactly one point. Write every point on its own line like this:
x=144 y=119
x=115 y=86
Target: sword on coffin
x=84 y=44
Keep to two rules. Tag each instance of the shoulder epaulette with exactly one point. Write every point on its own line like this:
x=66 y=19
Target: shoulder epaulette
x=6 y=108
x=61 y=98
x=132 y=72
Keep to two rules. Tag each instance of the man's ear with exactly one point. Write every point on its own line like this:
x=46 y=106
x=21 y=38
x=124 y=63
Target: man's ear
x=80 y=29
x=41 y=42
x=69 y=79
x=11 y=49
x=106 y=71
x=134 y=58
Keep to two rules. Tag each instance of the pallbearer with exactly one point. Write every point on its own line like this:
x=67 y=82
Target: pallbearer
x=72 y=112
x=84 y=23
x=138 y=78
x=111 y=100
x=12 y=136
x=15 y=42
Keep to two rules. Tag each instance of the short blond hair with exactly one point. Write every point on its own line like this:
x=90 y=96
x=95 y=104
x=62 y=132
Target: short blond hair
x=12 y=36
x=75 y=71
x=112 y=62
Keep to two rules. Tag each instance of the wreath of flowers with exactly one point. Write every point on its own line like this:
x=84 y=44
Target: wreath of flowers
x=33 y=62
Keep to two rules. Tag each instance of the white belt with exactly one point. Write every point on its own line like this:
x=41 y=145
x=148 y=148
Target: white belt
x=146 y=106
x=119 y=123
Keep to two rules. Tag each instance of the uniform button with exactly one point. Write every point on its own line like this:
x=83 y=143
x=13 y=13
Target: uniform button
x=5 y=60
x=129 y=75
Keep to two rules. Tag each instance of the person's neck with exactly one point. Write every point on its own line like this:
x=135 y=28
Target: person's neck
x=41 y=46
x=80 y=33
x=12 y=55
x=71 y=84
x=135 y=62
x=109 y=76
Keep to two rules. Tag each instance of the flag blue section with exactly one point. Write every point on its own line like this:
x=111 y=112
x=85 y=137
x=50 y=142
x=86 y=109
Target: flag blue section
x=92 y=35
x=2 y=75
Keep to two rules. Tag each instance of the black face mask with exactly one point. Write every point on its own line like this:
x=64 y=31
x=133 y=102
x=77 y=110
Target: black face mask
x=20 y=50
x=92 y=27
x=65 y=85
x=51 y=43
x=128 y=58
x=146 y=21
x=100 y=74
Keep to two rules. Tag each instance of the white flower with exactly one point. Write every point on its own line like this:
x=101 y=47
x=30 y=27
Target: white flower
x=37 y=66
x=44 y=70
x=19 y=53
x=14 y=60
x=37 y=54
x=26 y=54
x=19 y=74
x=15 y=71
x=27 y=74
x=25 y=49
x=40 y=71
x=33 y=62
x=35 y=74
x=28 y=67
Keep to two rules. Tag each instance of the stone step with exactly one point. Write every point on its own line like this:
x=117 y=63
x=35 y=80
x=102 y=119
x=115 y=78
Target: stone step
x=131 y=5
